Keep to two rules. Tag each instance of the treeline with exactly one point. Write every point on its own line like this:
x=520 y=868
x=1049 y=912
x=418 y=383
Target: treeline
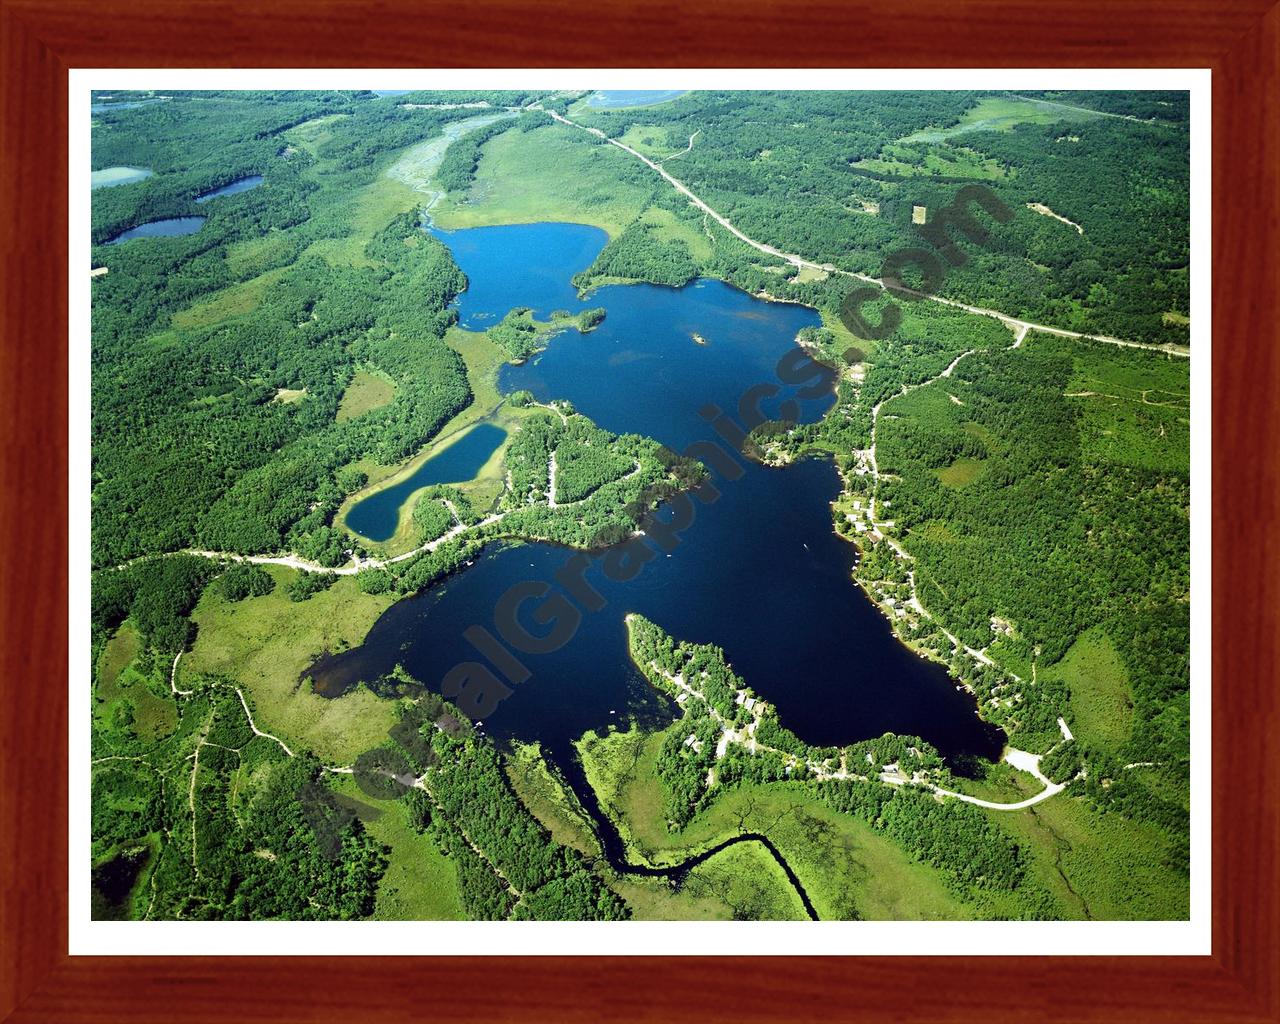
x=432 y=518
x=1006 y=551
x=517 y=334
x=780 y=167
x=242 y=579
x=191 y=447
x=953 y=836
x=157 y=595
x=452 y=97
x=149 y=279
x=702 y=666
x=193 y=145
x=586 y=463
x=927 y=339
x=271 y=840
x=520 y=336
x=716 y=688
x=1127 y=185
x=1054 y=538
x=1171 y=105
x=641 y=254
x=692 y=776
x=608 y=483
x=468 y=806
x=252 y=851
x=370 y=130
x=458 y=168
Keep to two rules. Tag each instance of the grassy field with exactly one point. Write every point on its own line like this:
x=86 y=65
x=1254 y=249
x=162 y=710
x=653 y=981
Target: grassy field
x=591 y=184
x=483 y=359
x=848 y=870
x=807 y=274
x=1003 y=784
x=421 y=883
x=960 y=473
x=654 y=899
x=1098 y=866
x=944 y=161
x=311 y=135
x=116 y=654
x=124 y=681
x=654 y=141
x=237 y=300
x=749 y=882
x=155 y=715
x=367 y=391
x=255 y=255
x=1001 y=114
x=620 y=769
x=844 y=338
x=1101 y=704
x=265 y=643
x=1134 y=406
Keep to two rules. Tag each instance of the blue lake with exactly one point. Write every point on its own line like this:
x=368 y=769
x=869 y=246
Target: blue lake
x=377 y=516
x=239 y=185
x=759 y=572
x=172 y=227
x=528 y=260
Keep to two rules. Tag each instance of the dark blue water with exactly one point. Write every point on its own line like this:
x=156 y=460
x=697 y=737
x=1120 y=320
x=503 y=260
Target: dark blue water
x=170 y=228
x=532 y=261
x=641 y=371
x=239 y=185
x=759 y=572
x=631 y=97
x=377 y=516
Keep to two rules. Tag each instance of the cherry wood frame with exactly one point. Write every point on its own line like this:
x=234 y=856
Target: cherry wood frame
x=41 y=39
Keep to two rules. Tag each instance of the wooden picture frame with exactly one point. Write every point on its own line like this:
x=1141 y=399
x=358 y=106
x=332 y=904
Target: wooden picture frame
x=41 y=39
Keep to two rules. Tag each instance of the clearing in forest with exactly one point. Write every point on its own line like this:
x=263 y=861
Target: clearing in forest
x=366 y=392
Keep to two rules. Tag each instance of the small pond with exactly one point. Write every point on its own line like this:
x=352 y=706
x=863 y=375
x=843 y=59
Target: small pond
x=110 y=176
x=377 y=516
x=171 y=227
x=239 y=185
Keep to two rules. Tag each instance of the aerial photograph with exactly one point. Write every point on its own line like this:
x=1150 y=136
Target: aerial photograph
x=606 y=505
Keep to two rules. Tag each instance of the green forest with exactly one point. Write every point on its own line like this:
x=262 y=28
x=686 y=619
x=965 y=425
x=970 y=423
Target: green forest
x=787 y=168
